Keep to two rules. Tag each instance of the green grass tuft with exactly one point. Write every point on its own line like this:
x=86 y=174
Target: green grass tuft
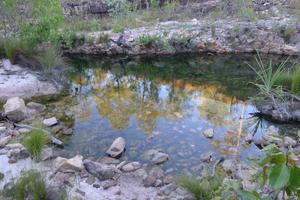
x=30 y=186
x=50 y=57
x=296 y=81
x=205 y=188
x=34 y=143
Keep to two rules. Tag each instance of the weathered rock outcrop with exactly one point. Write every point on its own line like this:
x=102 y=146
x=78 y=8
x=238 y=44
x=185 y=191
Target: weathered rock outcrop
x=283 y=112
x=223 y=36
x=18 y=81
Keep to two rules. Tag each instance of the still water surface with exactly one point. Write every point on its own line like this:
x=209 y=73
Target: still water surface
x=165 y=103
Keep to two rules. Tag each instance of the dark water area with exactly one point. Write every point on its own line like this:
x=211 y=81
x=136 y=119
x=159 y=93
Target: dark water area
x=165 y=103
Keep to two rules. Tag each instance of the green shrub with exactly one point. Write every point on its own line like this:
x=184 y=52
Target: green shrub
x=50 y=57
x=103 y=38
x=30 y=186
x=205 y=188
x=296 y=81
x=118 y=28
x=148 y=40
x=34 y=143
x=288 y=33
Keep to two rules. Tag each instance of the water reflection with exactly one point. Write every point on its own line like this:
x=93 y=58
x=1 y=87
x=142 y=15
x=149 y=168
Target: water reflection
x=163 y=103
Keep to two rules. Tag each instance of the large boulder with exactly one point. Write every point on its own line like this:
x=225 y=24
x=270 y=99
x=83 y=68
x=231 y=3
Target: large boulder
x=116 y=148
x=101 y=171
x=15 y=109
x=74 y=164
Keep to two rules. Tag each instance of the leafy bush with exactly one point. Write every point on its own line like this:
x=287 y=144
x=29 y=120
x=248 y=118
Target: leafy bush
x=103 y=38
x=280 y=172
x=30 y=186
x=296 y=81
x=148 y=40
x=34 y=143
x=205 y=188
x=118 y=28
x=50 y=57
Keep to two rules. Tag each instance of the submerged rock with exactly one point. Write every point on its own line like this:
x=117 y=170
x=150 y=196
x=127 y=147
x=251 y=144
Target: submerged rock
x=50 y=121
x=156 y=156
x=15 y=109
x=116 y=148
x=209 y=133
x=101 y=171
x=130 y=167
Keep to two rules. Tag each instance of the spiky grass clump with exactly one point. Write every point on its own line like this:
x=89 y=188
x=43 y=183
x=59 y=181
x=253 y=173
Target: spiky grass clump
x=296 y=81
x=205 y=188
x=50 y=57
x=34 y=143
x=30 y=186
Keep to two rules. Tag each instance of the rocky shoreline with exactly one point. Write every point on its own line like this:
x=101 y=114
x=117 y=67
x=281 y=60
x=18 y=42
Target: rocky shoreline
x=108 y=177
x=195 y=36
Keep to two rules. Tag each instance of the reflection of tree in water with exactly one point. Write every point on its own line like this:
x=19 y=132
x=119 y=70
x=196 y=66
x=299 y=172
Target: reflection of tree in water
x=118 y=98
x=133 y=88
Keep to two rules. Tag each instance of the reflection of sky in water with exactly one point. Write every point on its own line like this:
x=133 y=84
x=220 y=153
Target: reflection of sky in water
x=156 y=113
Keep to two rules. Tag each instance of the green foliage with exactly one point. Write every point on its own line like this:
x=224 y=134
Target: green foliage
x=247 y=13
x=205 y=188
x=168 y=46
x=296 y=81
x=103 y=38
x=282 y=174
x=288 y=33
x=84 y=25
x=118 y=28
x=148 y=40
x=69 y=38
x=48 y=16
x=284 y=79
x=30 y=186
x=34 y=143
x=267 y=78
x=50 y=57
x=118 y=7
x=10 y=46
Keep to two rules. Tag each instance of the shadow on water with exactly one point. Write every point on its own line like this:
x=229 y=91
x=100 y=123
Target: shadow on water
x=164 y=103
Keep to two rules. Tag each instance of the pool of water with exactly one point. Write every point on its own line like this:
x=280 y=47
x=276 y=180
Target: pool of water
x=165 y=103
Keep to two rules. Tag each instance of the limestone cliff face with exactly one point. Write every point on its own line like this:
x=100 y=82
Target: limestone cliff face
x=85 y=9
